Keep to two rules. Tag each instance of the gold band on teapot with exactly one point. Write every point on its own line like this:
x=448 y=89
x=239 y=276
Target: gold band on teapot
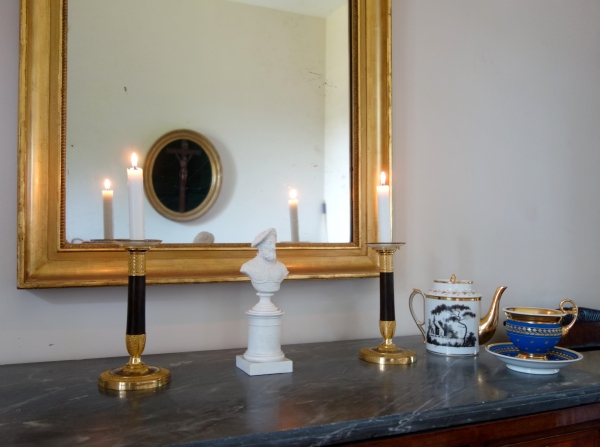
x=453 y=298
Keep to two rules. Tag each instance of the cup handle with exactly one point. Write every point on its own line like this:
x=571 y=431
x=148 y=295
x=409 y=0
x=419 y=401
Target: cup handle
x=574 y=311
x=412 y=312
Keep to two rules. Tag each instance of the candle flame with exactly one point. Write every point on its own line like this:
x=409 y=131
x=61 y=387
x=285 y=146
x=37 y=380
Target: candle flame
x=293 y=194
x=382 y=177
x=107 y=184
x=134 y=161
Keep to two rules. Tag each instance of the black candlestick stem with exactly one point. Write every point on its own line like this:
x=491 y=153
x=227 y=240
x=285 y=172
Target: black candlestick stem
x=136 y=305
x=386 y=296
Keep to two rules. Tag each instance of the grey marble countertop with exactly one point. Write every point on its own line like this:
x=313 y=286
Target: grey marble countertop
x=331 y=397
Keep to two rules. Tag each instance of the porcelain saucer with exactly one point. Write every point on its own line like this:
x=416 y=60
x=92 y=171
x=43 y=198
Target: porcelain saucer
x=557 y=358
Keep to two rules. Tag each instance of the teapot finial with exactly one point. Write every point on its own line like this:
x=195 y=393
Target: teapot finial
x=453 y=279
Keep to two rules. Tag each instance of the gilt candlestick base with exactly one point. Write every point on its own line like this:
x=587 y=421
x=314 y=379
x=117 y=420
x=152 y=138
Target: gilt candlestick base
x=136 y=375
x=387 y=353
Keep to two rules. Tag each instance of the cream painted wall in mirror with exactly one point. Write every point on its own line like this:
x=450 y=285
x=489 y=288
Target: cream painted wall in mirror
x=47 y=259
x=270 y=88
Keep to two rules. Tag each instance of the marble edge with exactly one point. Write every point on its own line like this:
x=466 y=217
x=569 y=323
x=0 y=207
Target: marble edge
x=407 y=423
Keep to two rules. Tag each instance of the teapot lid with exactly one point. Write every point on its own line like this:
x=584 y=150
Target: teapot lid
x=453 y=288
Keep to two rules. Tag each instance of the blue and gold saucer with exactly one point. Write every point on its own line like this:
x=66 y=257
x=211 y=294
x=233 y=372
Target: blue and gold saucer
x=557 y=358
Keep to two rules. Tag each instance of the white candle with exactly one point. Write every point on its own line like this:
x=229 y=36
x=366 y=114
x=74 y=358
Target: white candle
x=383 y=211
x=135 y=186
x=107 y=206
x=293 y=204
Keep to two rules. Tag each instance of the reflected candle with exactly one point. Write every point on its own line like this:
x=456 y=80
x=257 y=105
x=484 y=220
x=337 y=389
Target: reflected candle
x=107 y=207
x=135 y=187
x=383 y=211
x=293 y=204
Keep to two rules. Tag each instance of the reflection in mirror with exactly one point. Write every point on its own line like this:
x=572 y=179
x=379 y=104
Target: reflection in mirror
x=266 y=82
x=182 y=175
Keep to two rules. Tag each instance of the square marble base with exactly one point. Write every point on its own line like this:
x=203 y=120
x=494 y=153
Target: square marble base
x=259 y=369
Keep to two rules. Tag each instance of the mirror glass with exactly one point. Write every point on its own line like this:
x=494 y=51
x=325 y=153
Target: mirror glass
x=267 y=82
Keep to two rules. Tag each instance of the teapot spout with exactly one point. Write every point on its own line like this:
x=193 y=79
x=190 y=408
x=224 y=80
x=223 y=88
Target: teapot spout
x=489 y=323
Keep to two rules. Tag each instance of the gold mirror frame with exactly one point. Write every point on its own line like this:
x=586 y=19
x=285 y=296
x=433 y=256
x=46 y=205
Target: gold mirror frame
x=215 y=184
x=45 y=259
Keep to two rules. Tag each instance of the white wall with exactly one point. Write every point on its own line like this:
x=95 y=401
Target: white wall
x=497 y=146
x=496 y=106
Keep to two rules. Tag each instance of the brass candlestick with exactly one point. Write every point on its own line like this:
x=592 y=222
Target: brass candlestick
x=135 y=375
x=387 y=353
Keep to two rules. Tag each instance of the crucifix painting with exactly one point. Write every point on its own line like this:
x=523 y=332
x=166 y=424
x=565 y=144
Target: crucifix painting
x=185 y=175
x=184 y=155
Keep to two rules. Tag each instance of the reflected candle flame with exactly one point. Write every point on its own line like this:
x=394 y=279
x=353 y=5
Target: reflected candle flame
x=382 y=177
x=107 y=184
x=293 y=204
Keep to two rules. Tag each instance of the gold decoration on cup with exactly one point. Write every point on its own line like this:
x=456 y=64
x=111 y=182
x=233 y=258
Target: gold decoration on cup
x=574 y=311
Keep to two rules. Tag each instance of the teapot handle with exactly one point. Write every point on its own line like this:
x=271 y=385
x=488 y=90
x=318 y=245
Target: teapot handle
x=574 y=311
x=420 y=324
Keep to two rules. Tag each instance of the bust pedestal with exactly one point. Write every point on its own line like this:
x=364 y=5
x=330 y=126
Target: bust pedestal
x=264 y=354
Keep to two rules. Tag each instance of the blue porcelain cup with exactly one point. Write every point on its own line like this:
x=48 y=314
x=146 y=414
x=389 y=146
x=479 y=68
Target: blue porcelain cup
x=534 y=331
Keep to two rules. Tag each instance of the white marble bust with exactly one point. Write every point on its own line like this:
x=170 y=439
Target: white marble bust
x=265 y=272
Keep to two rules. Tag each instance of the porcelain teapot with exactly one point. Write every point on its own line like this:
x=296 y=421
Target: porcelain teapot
x=451 y=325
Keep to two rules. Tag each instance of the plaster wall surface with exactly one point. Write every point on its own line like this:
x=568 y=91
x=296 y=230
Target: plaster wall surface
x=497 y=146
x=496 y=105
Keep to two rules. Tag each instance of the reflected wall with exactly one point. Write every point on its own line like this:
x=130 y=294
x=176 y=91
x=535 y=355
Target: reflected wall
x=269 y=88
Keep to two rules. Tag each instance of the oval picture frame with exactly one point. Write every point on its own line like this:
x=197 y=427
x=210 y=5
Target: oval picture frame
x=175 y=153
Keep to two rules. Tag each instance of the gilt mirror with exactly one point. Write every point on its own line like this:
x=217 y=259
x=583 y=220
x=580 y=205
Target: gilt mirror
x=294 y=99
